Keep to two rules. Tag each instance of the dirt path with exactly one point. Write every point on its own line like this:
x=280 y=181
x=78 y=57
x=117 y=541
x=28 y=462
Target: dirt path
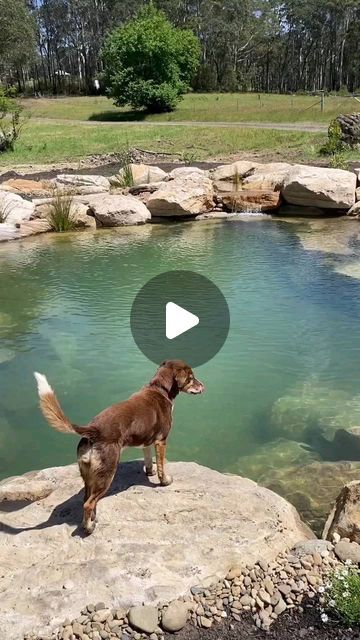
x=283 y=126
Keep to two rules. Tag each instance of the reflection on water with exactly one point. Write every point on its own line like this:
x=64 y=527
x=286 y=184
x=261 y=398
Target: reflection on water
x=281 y=393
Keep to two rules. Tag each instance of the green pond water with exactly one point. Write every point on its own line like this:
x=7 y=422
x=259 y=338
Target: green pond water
x=288 y=373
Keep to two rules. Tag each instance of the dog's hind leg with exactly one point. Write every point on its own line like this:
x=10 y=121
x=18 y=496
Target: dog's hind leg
x=103 y=463
x=148 y=460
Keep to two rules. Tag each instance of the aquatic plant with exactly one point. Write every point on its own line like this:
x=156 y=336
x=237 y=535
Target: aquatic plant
x=60 y=216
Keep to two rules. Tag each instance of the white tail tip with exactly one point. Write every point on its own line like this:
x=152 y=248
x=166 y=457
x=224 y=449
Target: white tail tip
x=42 y=384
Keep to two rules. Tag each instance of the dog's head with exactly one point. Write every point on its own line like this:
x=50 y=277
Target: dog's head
x=176 y=376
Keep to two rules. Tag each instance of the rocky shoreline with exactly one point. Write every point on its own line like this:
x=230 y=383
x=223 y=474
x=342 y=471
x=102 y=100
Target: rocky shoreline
x=142 y=193
x=266 y=590
x=208 y=548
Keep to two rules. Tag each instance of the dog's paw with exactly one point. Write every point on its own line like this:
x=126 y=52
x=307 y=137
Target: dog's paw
x=89 y=527
x=151 y=471
x=166 y=480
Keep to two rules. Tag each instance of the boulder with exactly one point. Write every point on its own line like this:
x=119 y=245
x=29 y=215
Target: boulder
x=30 y=188
x=268 y=176
x=8 y=231
x=354 y=212
x=82 y=184
x=141 y=174
x=31 y=486
x=319 y=187
x=14 y=208
x=251 y=200
x=117 y=210
x=231 y=172
x=186 y=196
x=345 y=516
x=33 y=227
x=151 y=543
x=78 y=211
x=183 y=172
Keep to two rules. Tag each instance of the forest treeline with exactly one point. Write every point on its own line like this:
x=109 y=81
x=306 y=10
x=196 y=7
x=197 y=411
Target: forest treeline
x=54 y=46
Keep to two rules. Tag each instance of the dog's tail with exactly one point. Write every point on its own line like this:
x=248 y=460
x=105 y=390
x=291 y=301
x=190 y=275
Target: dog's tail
x=51 y=409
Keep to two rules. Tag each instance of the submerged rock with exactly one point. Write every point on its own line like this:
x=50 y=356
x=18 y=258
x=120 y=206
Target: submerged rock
x=272 y=456
x=151 y=543
x=308 y=409
x=312 y=488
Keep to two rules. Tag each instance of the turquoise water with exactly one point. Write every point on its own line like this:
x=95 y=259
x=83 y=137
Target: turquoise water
x=64 y=311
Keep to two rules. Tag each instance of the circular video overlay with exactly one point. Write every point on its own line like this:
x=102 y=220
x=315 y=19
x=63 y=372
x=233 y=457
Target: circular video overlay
x=180 y=315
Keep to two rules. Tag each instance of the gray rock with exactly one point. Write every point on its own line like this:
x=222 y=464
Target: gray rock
x=175 y=616
x=144 y=618
x=348 y=551
x=240 y=519
x=307 y=547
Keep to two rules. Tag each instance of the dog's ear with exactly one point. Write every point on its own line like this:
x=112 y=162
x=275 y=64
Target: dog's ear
x=163 y=377
x=181 y=378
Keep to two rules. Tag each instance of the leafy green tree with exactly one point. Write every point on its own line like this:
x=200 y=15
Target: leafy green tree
x=17 y=29
x=149 y=63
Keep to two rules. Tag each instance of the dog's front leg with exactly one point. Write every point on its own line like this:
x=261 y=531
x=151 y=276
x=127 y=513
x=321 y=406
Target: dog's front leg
x=160 y=450
x=149 y=467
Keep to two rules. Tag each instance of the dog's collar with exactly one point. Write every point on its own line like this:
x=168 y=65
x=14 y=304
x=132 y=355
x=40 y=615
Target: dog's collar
x=163 y=390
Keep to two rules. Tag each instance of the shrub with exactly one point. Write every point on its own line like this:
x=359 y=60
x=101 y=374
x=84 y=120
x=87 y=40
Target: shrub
x=60 y=217
x=11 y=120
x=334 y=144
x=149 y=63
x=343 y=594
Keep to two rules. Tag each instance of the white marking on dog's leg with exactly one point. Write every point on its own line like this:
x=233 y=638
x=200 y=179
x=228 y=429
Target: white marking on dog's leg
x=148 y=459
x=42 y=384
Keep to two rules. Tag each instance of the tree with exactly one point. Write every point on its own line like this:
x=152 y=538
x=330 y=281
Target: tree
x=17 y=40
x=149 y=63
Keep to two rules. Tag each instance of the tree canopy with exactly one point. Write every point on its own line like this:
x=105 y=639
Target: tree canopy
x=255 y=45
x=148 y=62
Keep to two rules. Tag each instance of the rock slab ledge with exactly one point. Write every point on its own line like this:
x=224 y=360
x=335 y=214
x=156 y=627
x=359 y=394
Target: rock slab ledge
x=152 y=543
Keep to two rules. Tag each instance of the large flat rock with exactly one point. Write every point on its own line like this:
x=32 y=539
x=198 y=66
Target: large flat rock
x=152 y=543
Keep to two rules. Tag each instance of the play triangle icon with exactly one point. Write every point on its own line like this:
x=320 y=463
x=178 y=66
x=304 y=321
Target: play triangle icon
x=178 y=320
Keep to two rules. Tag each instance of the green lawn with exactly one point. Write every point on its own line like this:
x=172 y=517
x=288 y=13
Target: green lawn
x=42 y=143
x=202 y=107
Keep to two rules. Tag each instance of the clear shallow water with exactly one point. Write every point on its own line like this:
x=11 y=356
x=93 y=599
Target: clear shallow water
x=64 y=310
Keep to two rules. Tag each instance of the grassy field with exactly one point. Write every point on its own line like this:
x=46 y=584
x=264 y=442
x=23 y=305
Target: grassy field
x=227 y=107
x=43 y=143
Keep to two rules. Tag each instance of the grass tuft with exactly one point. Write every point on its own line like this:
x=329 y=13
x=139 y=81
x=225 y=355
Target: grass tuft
x=60 y=217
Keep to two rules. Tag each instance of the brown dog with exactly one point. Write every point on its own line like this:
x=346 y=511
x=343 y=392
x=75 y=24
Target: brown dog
x=145 y=419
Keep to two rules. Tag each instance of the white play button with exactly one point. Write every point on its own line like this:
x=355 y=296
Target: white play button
x=178 y=320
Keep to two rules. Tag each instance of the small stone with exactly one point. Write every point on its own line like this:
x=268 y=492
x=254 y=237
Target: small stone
x=235 y=572
x=197 y=590
x=285 y=589
x=77 y=629
x=246 y=600
x=313 y=580
x=99 y=606
x=264 y=565
x=264 y=596
x=205 y=622
x=102 y=615
x=247 y=581
x=280 y=607
x=175 y=616
x=144 y=618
